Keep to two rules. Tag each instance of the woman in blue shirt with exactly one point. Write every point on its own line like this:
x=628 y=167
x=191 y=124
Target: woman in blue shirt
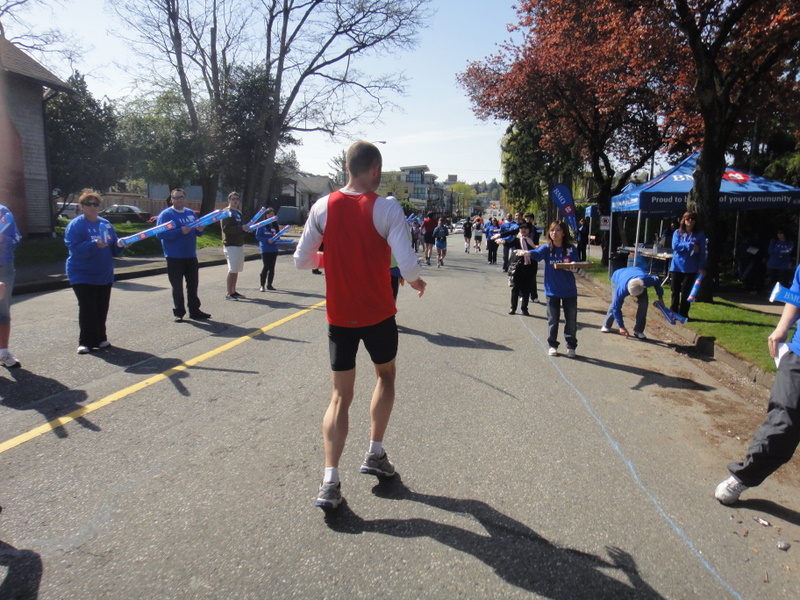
x=559 y=286
x=688 y=259
x=779 y=264
x=269 y=251
x=92 y=244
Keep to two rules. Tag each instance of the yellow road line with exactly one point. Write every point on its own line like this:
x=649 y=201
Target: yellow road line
x=85 y=410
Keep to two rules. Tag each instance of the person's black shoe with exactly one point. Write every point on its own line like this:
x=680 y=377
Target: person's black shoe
x=269 y=287
x=316 y=271
x=200 y=316
x=525 y=312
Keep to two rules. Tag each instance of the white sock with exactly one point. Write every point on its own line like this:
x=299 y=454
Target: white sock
x=376 y=447
x=331 y=475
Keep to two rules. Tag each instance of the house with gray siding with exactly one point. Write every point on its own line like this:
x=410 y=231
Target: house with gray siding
x=24 y=175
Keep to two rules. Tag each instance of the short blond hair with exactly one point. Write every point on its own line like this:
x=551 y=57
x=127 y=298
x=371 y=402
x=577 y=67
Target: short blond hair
x=87 y=193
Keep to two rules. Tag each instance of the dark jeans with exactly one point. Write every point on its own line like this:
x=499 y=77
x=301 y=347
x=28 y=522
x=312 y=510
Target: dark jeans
x=93 y=301
x=179 y=269
x=776 y=440
x=268 y=271
x=505 y=257
x=681 y=286
x=570 y=306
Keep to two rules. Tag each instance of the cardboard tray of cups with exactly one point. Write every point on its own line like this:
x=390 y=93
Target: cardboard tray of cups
x=572 y=266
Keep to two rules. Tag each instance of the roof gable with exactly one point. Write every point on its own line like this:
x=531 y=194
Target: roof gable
x=14 y=60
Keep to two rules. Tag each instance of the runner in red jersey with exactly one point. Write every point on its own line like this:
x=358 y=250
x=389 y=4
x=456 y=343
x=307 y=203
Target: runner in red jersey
x=360 y=230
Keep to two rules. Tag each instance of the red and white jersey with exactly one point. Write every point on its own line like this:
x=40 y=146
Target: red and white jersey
x=360 y=232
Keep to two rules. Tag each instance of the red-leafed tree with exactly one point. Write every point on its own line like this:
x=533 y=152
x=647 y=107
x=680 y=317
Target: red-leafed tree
x=592 y=75
x=742 y=52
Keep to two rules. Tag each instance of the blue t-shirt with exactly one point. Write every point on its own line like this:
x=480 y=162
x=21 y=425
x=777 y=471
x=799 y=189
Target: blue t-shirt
x=264 y=234
x=173 y=241
x=87 y=262
x=780 y=254
x=560 y=284
x=794 y=345
x=685 y=259
x=9 y=236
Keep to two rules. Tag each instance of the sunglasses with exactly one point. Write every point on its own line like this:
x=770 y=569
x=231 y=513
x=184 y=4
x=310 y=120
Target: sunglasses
x=90 y=203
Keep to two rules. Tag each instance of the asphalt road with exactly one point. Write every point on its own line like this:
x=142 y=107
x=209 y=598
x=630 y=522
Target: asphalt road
x=189 y=466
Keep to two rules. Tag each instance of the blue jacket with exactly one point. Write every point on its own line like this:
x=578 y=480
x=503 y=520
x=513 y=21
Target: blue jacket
x=173 y=241
x=684 y=257
x=508 y=230
x=9 y=236
x=264 y=234
x=560 y=284
x=620 y=280
x=87 y=263
x=780 y=254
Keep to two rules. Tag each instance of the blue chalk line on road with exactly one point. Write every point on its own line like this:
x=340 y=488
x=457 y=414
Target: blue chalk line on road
x=632 y=469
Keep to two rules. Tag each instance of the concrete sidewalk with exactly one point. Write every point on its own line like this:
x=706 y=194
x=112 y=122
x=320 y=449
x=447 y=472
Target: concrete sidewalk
x=51 y=276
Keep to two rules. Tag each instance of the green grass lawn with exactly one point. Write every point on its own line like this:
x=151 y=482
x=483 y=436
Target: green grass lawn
x=741 y=331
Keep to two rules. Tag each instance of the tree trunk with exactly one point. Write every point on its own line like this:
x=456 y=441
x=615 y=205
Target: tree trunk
x=210 y=185
x=704 y=199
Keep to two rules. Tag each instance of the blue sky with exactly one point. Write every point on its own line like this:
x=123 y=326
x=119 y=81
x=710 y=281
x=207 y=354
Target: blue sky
x=436 y=126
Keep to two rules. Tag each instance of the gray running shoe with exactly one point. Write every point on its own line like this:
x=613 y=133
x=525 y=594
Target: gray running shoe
x=377 y=465
x=330 y=495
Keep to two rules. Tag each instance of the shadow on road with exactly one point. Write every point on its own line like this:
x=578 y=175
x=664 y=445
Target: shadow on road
x=771 y=508
x=516 y=553
x=23 y=575
x=648 y=377
x=48 y=396
x=451 y=341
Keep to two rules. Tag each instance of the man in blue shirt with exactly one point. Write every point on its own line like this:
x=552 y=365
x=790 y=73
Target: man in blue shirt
x=631 y=281
x=508 y=231
x=776 y=440
x=180 y=250
x=9 y=240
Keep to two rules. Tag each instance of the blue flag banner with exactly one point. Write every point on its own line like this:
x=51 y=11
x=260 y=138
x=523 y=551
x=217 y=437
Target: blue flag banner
x=562 y=198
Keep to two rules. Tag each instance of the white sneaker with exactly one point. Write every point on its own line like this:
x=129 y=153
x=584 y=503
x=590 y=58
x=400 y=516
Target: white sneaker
x=8 y=361
x=104 y=344
x=729 y=490
x=552 y=352
x=605 y=329
x=84 y=349
x=571 y=353
x=262 y=289
x=639 y=335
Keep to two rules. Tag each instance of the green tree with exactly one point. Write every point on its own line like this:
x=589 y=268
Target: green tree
x=157 y=137
x=82 y=140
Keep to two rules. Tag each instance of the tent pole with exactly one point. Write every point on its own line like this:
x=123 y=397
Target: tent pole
x=735 y=241
x=636 y=239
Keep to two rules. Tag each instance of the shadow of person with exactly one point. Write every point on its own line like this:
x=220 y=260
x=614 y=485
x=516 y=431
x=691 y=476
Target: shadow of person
x=649 y=377
x=771 y=508
x=451 y=341
x=517 y=554
x=51 y=398
x=23 y=574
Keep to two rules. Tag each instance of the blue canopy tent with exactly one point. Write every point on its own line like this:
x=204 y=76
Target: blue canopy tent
x=667 y=193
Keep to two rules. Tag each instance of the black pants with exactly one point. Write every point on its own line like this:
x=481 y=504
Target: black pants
x=534 y=290
x=681 y=286
x=93 y=301
x=268 y=271
x=776 y=440
x=491 y=248
x=179 y=269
